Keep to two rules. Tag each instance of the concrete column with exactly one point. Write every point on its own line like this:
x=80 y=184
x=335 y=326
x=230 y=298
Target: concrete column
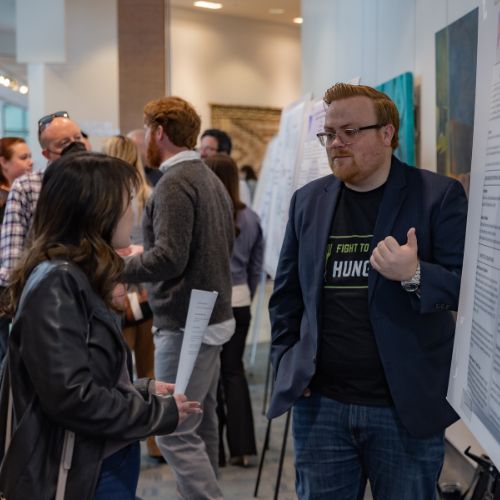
x=142 y=57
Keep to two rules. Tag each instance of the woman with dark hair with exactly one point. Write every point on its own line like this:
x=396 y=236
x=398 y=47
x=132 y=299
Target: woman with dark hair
x=246 y=266
x=15 y=160
x=74 y=418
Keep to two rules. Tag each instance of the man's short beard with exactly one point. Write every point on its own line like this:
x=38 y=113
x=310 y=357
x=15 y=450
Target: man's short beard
x=153 y=153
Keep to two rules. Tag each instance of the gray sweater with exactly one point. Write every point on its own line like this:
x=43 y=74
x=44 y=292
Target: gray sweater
x=188 y=238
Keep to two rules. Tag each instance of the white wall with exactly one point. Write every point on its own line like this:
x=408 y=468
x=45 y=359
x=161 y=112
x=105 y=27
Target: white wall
x=371 y=39
x=86 y=85
x=377 y=40
x=218 y=59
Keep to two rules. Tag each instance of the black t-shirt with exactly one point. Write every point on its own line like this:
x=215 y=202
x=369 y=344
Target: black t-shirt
x=349 y=367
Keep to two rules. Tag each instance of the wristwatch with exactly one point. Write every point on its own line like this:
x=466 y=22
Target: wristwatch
x=413 y=284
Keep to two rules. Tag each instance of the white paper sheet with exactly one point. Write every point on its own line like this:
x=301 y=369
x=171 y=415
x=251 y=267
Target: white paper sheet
x=474 y=388
x=201 y=305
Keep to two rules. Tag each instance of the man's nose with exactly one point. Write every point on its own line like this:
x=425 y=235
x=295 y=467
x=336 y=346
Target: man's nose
x=337 y=142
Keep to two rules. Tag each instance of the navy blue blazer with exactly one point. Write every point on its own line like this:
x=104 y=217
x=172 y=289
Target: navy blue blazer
x=414 y=336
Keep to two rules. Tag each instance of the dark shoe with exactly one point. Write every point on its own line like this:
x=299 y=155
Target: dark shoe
x=241 y=461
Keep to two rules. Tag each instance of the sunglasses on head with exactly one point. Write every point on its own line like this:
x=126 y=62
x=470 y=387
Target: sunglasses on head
x=45 y=120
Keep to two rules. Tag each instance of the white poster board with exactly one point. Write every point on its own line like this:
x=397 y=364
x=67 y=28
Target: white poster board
x=314 y=161
x=474 y=389
x=286 y=157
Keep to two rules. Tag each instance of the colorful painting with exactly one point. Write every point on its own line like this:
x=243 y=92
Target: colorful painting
x=400 y=90
x=456 y=57
x=250 y=127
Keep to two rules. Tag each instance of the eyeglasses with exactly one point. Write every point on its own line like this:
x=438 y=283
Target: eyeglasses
x=45 y=120
x=346 y=135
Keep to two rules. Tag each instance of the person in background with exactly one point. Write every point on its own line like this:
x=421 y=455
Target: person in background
x=214 y=141
x=188 y=239
x=137 y=333
x=56 y=132
x=362 y=328
x=15 y=160
x=76 y=404
x=234 y=405
x=138 y=137
x=250 y=177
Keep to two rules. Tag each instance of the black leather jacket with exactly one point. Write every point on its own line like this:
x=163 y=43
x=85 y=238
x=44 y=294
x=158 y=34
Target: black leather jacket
x=66 y=354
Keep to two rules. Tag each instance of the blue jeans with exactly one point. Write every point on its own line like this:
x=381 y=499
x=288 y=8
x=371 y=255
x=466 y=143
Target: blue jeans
x=119 y=474
x=339 y=446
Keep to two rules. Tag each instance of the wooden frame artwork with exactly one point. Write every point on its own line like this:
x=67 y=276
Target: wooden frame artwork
x=250 y=128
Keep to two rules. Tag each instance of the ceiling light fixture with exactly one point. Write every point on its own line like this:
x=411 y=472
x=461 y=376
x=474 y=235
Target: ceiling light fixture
x=208 y=5
x=276 y=11
x=13 y=84
x=297 y=20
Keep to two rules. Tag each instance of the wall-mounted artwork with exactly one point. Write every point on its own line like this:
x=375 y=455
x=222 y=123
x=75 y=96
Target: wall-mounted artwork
x=250 y=127
x=400 y=90
x=456 y=56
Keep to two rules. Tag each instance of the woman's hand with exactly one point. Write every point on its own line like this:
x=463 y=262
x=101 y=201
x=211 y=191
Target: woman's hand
x=119 y=295
x=130 y=250
x=185 y=407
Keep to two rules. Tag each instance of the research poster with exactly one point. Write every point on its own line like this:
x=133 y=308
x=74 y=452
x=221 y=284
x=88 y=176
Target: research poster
x=287 y=155
x=474 y=388
x=314 y=162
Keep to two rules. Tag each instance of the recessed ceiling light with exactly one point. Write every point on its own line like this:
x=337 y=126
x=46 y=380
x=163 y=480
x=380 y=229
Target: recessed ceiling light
x=276 y=11
x=297 y=20
x=208 y=5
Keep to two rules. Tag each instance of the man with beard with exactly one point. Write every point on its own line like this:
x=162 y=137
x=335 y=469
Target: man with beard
x=138 y=136
x=362 y=332
x=188 y=238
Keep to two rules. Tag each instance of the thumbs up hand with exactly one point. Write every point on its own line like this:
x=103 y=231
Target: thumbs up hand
x=394 y=261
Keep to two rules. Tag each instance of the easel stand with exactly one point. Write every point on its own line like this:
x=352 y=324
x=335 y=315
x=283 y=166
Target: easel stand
x=485 y=484
x=282 y=456
x=268 y=388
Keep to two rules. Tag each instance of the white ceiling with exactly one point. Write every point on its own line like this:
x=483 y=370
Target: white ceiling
x=251 y=9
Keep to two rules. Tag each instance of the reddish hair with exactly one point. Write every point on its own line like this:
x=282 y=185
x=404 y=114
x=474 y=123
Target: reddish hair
x=177 y=117
x=7 y=146
x=7 y=151
x=385 y=109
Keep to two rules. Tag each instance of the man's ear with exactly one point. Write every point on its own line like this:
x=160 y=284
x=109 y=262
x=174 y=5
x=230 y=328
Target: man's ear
x=159 y=133
x=388 y=133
